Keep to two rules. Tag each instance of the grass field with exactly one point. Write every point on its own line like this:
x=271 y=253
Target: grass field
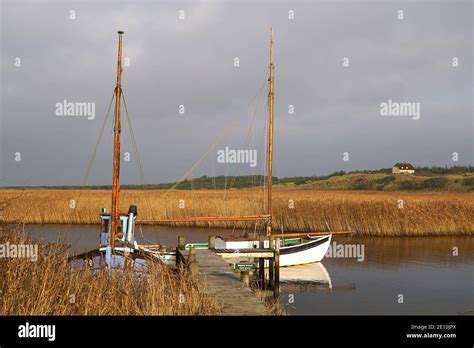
x=366 y=212
x=420 y=182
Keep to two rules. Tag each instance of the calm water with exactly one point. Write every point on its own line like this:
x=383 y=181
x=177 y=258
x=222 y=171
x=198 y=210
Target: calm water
x=424 y=271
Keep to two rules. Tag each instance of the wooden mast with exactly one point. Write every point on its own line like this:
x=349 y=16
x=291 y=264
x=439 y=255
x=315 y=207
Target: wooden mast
x=270 y=136
x=117 y=129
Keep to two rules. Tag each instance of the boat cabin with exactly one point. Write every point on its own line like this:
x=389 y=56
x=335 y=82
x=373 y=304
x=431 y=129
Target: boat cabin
x=126 y=227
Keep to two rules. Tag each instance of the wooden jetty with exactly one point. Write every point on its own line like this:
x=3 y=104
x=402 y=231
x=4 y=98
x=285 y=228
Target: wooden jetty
x=224 y=283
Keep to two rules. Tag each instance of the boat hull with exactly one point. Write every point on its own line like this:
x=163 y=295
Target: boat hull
x=301 y=254
x=312 y=250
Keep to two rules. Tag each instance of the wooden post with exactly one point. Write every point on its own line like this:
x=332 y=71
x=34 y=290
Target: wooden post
x=261 y=264
x=194 y=268
x=245 y=278
x=192 y=255
x=181 y=243
x=276 y=288
x=192 y=263
x=271 y=268
x=181 y=246
x=211 y=242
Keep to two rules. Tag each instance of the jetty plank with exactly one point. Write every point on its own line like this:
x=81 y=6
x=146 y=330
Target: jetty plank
x=223 y=283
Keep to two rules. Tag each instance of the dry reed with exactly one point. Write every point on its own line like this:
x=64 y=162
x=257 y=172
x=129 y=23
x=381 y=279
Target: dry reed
x=366 y=212
x=48 y=286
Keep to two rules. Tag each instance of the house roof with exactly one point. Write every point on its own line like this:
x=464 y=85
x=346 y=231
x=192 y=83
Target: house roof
x=404 y=166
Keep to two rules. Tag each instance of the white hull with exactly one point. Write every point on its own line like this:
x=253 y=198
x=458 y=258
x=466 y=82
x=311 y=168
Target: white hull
x=307 y=252
x=301 y=254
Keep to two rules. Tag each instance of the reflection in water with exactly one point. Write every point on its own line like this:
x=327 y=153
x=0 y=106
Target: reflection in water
x=435 y=275
x=305 y=278
x=393 y=251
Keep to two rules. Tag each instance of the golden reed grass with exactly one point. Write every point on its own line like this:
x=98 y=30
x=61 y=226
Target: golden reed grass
x=366 y=212
x=48 y=286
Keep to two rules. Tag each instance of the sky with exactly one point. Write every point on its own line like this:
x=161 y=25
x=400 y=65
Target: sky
x=421 y=56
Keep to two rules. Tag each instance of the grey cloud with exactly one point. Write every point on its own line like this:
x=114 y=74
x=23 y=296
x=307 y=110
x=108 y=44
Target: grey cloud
x=189 y=62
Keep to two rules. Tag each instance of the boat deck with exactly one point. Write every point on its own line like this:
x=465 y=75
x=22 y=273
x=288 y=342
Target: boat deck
x=225 y=285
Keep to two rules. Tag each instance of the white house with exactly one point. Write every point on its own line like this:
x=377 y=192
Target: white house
x=403 y=168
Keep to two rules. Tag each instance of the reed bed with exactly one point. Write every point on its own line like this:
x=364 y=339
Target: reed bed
x=48 y=286
x=371 y=213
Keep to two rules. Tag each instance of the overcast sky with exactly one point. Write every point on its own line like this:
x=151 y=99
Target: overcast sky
x=190 y=62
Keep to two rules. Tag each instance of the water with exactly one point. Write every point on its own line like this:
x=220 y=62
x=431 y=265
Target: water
x=423 y=270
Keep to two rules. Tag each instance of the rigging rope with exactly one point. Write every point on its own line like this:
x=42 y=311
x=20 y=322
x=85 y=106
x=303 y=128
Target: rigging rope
x=91 y=161
x=89 y=167
x=134 y=143
x=226 y=130
x=251 y=129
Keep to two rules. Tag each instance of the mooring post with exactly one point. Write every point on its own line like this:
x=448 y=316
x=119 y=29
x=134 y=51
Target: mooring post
x=193 y=268
x=192 y=263
x=271 y=263
x=211 y=242
x=181 y=246
x=261 y=264
x=192 y=255
x=245 y=278
x=181 y=243
x=276 y=288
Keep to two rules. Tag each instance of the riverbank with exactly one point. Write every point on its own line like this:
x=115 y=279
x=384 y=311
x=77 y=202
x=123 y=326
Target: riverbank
x=368 y=213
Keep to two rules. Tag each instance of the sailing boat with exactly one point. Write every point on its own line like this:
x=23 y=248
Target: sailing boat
x=117 y=232
x=117 y=244
x=303 y=248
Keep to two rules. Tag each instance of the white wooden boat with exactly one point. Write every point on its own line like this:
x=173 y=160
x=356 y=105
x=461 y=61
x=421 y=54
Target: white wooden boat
x=305 y=250
x=293 y=251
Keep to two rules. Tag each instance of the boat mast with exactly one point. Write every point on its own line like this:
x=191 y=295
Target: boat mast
x=117 y=129
x=270 y=136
